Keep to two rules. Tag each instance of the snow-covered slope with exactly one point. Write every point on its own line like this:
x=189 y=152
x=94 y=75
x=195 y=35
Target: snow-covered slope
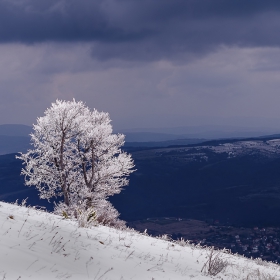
x=39 y=245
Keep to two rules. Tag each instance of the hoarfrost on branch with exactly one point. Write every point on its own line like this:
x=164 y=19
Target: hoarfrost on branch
x=76 y=155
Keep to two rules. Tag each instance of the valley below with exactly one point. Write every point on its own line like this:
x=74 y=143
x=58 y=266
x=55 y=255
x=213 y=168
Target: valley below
x=207 y=193
x=252 y=242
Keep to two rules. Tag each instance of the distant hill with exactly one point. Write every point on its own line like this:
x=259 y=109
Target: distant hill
x=13 y=144
x=14 y=138
x=150 y=137
x=205 y=131
x=15 y=130
x=233 y=181
x=178 y=142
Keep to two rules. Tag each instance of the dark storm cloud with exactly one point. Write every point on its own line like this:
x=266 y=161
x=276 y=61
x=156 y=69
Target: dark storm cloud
x=38 y=21
x=143 y=29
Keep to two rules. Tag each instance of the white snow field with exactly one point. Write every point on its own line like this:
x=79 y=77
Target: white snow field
x=39 y=245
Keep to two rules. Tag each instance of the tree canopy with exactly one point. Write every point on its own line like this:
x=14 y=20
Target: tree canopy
x=76 y=155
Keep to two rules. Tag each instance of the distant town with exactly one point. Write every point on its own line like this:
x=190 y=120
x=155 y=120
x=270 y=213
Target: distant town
x=255 y=242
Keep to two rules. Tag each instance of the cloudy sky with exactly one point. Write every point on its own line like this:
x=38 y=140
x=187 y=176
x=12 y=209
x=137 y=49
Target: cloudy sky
x=149 y=63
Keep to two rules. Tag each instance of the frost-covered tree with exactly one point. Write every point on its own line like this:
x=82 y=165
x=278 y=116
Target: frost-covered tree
x=76 y=155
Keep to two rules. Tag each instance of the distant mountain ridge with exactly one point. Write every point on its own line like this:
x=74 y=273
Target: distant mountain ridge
x=15 y=138
x=14 y=144
x=205 y=131
x=234 y=181
x=15 y=130
x=163 y=134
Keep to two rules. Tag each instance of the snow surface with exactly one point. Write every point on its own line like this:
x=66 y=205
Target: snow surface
x=39 y=245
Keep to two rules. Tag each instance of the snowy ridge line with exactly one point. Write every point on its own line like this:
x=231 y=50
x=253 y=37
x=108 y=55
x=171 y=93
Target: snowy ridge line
x=270 y=148
x=39 y=245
